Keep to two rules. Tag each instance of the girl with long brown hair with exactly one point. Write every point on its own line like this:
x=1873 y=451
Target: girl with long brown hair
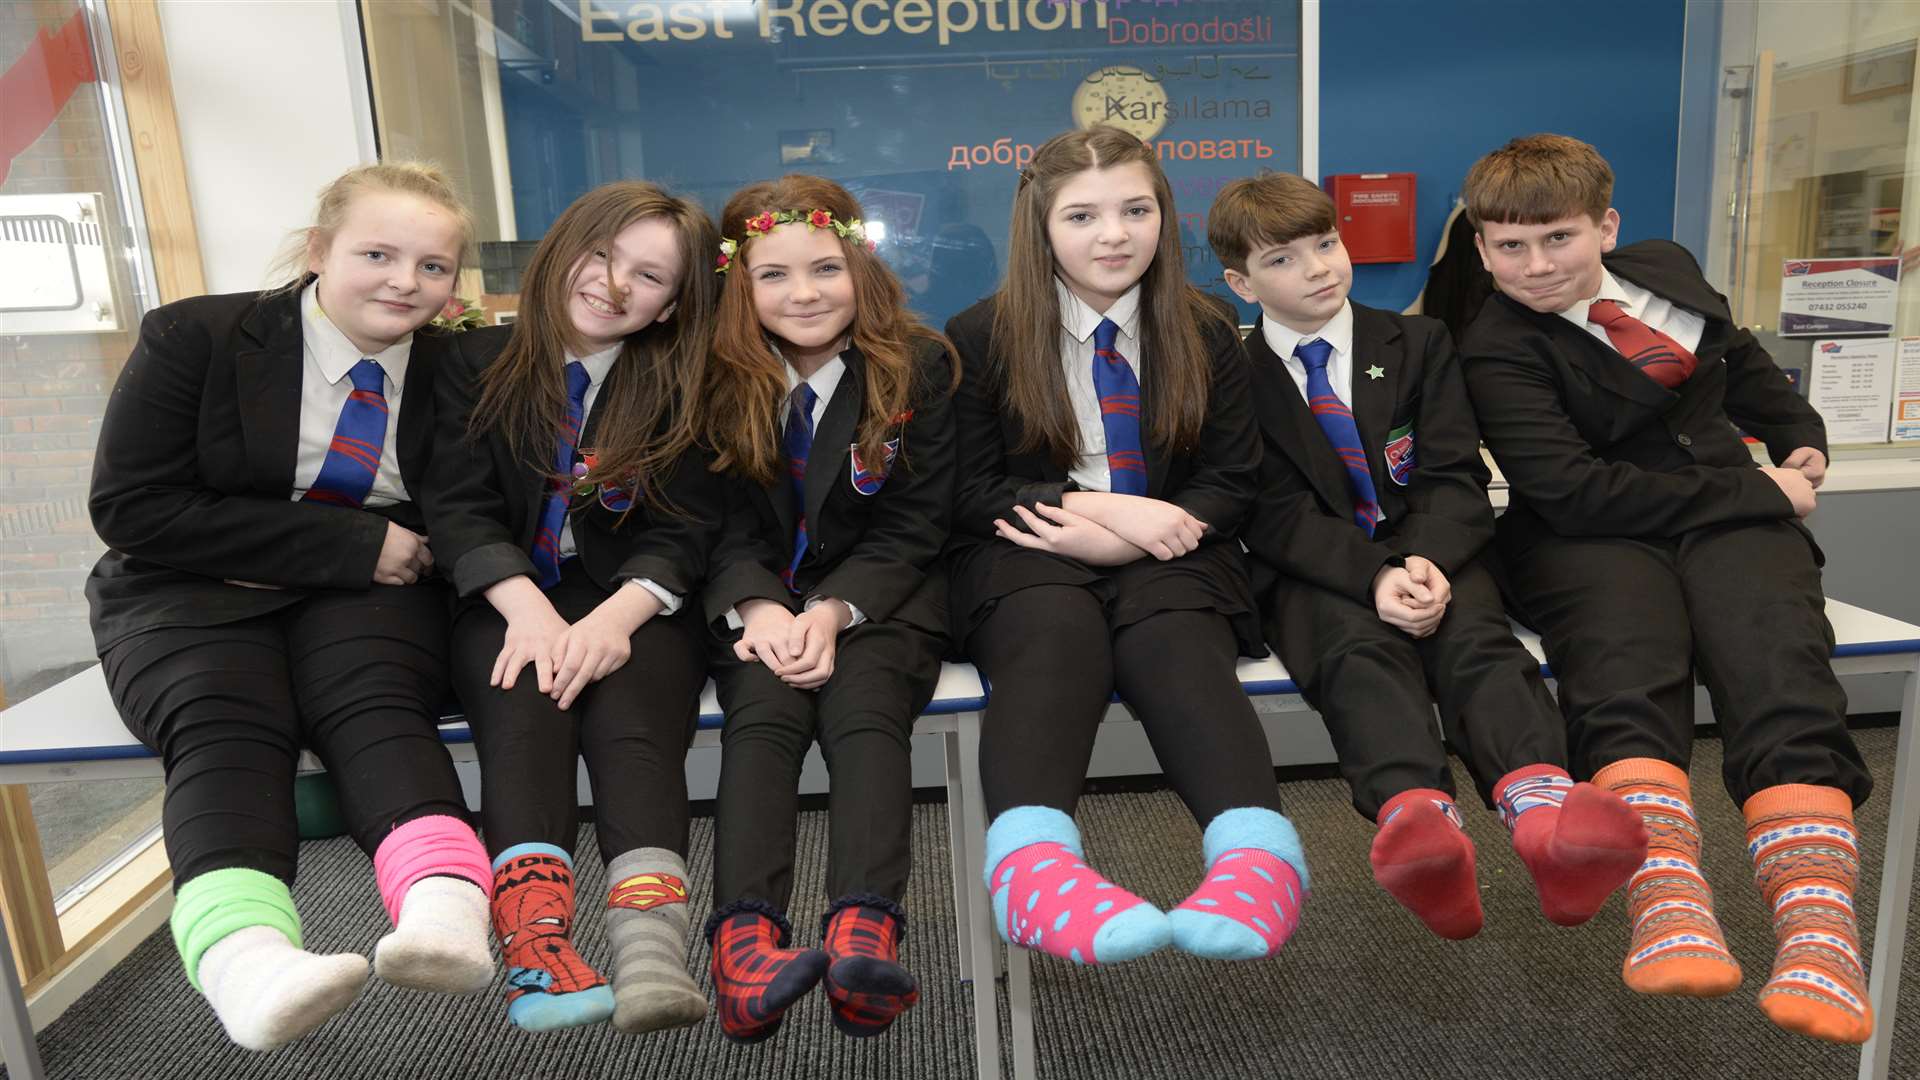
x=575 y=513
x=1107 y=454
x=831 y=399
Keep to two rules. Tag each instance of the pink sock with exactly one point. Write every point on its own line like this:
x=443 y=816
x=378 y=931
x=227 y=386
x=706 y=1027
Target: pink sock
x=1249 y=903
x=1579 y=842
x=1046 y=897
x=425 y=847
x=1423 y=860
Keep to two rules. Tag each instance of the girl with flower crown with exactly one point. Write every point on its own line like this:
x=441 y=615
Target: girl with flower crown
x=831 y=399
x=576 y=517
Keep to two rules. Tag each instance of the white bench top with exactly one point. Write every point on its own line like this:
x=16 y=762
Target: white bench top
x=74 y=721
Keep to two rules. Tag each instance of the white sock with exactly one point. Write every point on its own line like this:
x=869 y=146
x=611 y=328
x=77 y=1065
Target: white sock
x=441 y=941
x=268 y=993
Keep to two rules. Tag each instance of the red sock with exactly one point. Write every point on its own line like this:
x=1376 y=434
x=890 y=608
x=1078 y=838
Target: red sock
x=866 y=983
x=754 y=978
x=1578 y=841
x=1423 y=860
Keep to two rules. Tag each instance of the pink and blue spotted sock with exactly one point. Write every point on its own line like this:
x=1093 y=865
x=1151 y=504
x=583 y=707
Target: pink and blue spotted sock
x=1256 y=884
x=1046 y=897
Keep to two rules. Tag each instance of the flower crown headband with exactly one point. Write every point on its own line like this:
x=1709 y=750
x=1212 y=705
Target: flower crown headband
x=764 y=223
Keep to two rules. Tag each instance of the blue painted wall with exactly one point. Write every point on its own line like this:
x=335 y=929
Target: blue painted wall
x=1427 y=87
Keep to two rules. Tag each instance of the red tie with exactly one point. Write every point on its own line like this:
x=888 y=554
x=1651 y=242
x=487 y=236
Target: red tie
x=1658 y=356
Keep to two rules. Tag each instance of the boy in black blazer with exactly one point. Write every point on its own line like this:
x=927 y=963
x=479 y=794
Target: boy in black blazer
x=1644 y=542
x=1367 y=541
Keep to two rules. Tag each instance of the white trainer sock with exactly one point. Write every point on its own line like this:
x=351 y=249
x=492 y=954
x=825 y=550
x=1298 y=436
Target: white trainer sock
x=440 y=943
x=267 y=993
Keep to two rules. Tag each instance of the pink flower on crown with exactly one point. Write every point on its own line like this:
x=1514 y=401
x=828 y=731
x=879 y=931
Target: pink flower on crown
x=873 y=245
x=721 y=262
x=760 y=224
x=819 y=219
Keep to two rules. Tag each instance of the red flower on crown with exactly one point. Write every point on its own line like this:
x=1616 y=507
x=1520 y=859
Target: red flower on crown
x=721 y=262
x=760 y=224
x=820 y=219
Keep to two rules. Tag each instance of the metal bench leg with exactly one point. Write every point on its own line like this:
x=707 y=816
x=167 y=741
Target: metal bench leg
x=16 y=1025
x=965 y=879
x=982 y=942
x=1896 y=886
x=1020 y=1007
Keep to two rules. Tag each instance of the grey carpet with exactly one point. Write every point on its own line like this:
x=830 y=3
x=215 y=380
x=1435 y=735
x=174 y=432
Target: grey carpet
x=1362 y=991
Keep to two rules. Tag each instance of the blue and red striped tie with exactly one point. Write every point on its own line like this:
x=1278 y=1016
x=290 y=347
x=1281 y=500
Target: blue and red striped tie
x=1336 y=420
x=798 y=444
x=353 y=457
x=553 y=513
x=1119 y=393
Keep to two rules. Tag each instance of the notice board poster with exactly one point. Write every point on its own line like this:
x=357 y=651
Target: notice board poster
x=1826 y=297
x=925 y=109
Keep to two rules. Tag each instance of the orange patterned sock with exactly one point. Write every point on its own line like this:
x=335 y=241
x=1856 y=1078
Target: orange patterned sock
x=1677 y=945
x=1805 y=861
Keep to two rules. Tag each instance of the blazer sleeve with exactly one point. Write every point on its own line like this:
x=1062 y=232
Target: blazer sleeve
x=984 y=490
x=674 y=548
x=1448 y=519
x=467 y=500
x=1761 y=400
x=909 y=525
x=147 y=499
x=1227 y=462
x=1548 y=463
x=1287 y=529
x=744 y=565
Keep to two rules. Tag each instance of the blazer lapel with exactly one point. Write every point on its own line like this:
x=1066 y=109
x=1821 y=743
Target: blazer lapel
x=415 y=436
x=267 y=377
x=833 y=435
x=1374 y=398
x=1287 y=420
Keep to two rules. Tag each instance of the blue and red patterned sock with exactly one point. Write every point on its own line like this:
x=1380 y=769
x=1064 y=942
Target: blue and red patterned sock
x=756 y=978
x=866 y=983
x=1578 y=841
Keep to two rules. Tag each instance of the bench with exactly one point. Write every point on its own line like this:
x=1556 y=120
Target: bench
x=71 y=732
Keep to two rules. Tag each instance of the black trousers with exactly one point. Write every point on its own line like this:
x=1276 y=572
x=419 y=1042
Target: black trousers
x=1626 y=622
x=358 y=677
x=1054 y=663
x=883 y=676
x=632 y=728
x=1376 y=688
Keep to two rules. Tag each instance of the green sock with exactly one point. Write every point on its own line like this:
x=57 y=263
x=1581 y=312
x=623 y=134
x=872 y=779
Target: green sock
x=217 y=903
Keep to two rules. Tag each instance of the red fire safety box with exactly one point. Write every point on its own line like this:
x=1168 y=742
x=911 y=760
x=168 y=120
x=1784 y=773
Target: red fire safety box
x=1376 y=212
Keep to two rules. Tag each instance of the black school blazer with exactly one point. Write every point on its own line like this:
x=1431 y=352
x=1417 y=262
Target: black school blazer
x=1214 y=481
x=873 y=529
x=1302 y=522
x=483 y=504
x=195 y=465
x=1592 y=447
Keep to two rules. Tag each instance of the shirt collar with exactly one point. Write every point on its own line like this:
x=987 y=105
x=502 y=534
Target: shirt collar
x=334 y=354
x=1081 y=320
x=598 y=364
x=1610 y=289
x=824 y=381
x=1337 y=332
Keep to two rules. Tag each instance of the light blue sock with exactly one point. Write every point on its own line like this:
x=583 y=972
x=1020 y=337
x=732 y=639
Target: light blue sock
x=1249 y=903
x=1066 y=908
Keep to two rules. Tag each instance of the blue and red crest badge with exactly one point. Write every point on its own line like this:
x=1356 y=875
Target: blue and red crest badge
x=1399 y=454
x=615 y=497
x=869 y=481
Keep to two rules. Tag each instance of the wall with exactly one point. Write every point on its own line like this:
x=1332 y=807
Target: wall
x=1417 y=86
x=266 y=111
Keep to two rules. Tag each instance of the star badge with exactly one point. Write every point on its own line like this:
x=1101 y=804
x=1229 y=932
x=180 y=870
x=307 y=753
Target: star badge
x=1376 y=372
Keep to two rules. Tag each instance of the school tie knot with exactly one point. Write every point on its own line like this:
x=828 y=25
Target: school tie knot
x=1105 y=335
x=577 y=382
x=800 y=403
x=1606 y=313
x=368 y=377
x=1314 y=354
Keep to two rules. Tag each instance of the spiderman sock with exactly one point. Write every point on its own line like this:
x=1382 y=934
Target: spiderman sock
x=548 y=985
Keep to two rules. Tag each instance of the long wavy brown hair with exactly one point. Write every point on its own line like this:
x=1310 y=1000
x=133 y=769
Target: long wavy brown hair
x=647 y=413
x=1026 y=320
x=747 y=381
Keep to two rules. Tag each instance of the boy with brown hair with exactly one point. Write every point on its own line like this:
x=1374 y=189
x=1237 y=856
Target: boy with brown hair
x=1367 y=560
x=1644 y=543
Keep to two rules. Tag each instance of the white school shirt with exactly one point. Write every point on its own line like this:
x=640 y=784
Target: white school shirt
x=1077 y=324
x=597 y=365
x=326 y=357
x=1657 y=312
x=1337 y=332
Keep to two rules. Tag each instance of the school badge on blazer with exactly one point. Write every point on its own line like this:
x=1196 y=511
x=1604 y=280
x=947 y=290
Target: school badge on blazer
x=614 y=497
x=1399 y=453
x=868 y=481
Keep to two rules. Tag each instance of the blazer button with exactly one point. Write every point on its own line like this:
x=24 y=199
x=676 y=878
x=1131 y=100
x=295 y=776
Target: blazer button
x=1683 y=439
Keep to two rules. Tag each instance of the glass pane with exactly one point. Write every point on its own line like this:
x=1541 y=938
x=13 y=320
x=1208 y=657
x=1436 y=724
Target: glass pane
x=532 y=103
x=1817 y=151
x=69 y=312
